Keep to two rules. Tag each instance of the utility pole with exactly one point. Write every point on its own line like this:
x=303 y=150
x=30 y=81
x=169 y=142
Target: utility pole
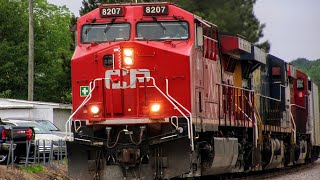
x=31 y=52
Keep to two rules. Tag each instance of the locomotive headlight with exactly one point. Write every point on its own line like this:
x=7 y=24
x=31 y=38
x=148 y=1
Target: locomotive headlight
x=128 y=61
x=128 y=56
x=128 y=52
x=155 y=107
x=94 y=109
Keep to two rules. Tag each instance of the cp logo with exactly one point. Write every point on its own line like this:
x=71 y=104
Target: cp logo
x=132 y=73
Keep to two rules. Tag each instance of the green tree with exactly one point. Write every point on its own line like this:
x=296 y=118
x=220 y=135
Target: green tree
x=13 y=49
x=311 y=68
x=52 y=51
x=88 y=5
x=231 y=16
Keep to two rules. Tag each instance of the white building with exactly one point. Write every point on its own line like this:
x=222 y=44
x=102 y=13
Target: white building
x=54 y=112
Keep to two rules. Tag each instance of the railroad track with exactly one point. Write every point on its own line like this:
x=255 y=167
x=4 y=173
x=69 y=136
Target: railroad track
x=295 y=172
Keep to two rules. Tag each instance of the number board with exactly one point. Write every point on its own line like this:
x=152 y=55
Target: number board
x=155 y=10
x=111 y=11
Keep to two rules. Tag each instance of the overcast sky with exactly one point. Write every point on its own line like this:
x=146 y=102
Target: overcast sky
x=292 y=26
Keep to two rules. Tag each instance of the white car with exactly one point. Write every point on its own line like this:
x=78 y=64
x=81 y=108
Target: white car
x=52 y=128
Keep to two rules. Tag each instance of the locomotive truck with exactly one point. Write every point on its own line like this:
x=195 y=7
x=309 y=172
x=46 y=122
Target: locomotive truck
x=160 y=93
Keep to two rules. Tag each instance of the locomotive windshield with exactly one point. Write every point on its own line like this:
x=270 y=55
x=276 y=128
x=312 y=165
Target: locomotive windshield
x=162 y=30
x=105 y=32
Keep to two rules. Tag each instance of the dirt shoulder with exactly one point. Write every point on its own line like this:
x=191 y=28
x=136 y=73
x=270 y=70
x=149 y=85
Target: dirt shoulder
x=54 y=172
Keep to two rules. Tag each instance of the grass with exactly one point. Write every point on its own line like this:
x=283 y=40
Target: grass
x=65 y=161
x=37 y=168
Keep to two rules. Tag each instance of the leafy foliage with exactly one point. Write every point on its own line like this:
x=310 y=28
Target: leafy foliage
x=52 y=50
x=311 y=68
x=232 y=16
x=88 y=5
x=13 y=49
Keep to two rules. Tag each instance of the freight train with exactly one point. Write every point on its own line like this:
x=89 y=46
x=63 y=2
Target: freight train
x=160 y=93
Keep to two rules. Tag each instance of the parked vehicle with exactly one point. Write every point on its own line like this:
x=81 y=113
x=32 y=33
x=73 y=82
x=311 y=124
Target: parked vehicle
x=45 y=137
x=51 y=127
x=5 y=143
x=48 y=125
x=19 y=136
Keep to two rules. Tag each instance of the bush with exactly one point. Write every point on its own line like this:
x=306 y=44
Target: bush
x=37 y=168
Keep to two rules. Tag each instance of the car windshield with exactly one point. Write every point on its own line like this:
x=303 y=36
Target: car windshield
x=162 y=30
x=37 y=128
x=105 y=32
x=48 y=125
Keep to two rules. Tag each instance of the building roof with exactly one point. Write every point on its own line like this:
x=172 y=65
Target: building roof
x=24 y=104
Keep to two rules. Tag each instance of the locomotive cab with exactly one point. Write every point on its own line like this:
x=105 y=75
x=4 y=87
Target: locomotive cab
x=132 y=50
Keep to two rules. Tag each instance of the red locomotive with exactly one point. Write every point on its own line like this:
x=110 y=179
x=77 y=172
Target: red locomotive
x=158 y=93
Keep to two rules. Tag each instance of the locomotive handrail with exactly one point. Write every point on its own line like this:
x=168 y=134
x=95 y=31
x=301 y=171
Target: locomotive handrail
x=268 y=97
x=251 y=105
x=256 y=114
x=86 y=99
x=177 y=121
x=207 y=23
x=171 y=101
x=226 y=85
x=244 y=113
x=294 y=129
x=297 y=106
x=214 y=40
x=238 y=88
x=256 y=117
x=68 y=123
x=190 y=120
x=258 y=130
x=275 y=99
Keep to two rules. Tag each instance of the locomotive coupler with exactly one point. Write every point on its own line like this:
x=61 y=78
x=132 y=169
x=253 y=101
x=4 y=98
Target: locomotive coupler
x=128 y=156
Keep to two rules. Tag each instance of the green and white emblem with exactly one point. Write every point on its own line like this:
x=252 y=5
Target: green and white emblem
x=84 y=91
